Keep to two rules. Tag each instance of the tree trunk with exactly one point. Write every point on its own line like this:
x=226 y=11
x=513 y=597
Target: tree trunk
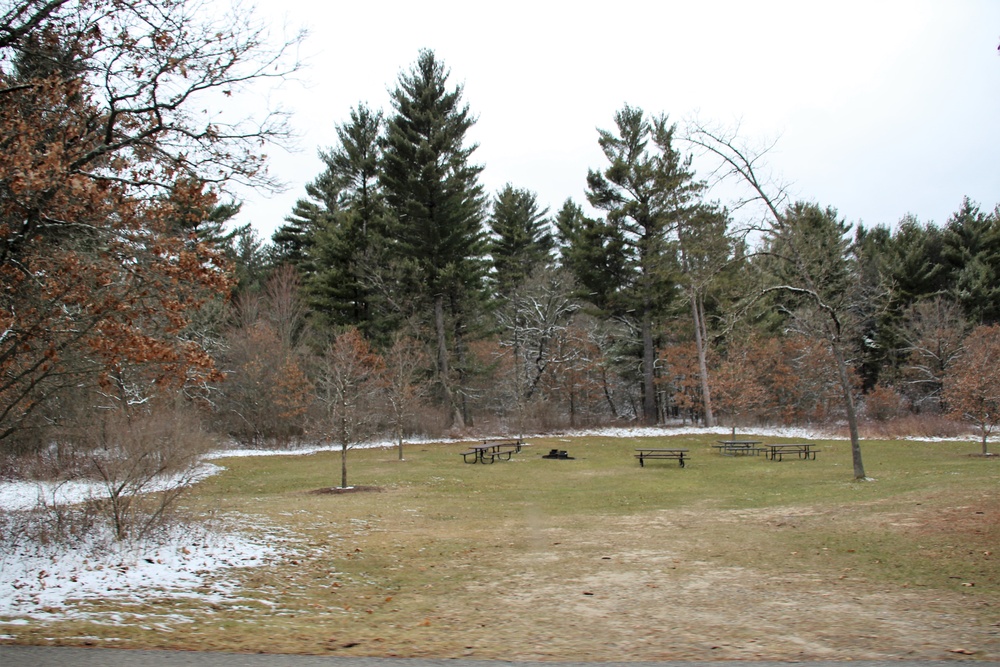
x=444 y=374
x=648 y=369
x=699 y=340
x=607 y=393
x=852 y=416
x=343 y=465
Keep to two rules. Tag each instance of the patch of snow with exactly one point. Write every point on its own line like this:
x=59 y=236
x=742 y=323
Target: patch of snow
x=664 y=431
x=22 y=495
x=958 y=438
x=43 y=581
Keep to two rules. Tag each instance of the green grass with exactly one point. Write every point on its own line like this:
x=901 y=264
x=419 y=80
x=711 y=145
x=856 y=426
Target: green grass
x=605 y=480
x=401 y=571
x=604 y=471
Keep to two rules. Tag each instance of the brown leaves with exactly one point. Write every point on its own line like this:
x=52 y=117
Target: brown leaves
x=972 y=383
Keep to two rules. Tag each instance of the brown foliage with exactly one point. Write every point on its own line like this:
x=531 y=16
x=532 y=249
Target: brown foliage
x=102 y=165
x=266 y=393
x=738 y=386
x=972 y=384
x=883 y=403
x=680 y=379
x=782 y=380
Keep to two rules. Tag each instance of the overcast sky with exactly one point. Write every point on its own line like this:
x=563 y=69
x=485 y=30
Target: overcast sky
x=879 y=108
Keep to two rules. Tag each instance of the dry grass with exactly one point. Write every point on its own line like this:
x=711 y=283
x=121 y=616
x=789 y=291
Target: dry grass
x=596 y=559
x=918 y=426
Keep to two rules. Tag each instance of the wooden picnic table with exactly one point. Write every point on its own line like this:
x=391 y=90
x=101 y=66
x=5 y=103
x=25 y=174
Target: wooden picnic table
x=802 y=450
x=493 y=449
x=733 y=447
x=655 y=453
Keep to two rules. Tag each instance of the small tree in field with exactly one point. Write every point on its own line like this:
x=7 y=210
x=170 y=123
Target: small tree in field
x=972 y=383
x=346 y=388
x=405 y=362
x=811 y=269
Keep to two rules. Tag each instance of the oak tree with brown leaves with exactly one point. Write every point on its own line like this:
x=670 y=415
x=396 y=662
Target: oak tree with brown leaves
x=105 y=155
x=972 y=383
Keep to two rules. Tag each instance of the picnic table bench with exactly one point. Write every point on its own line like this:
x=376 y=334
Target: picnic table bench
x=492 y=450
x=802 y=450
x=734 y=447
x=649 y=453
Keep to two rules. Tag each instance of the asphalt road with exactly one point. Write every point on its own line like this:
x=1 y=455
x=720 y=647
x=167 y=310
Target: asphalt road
x=56 y=656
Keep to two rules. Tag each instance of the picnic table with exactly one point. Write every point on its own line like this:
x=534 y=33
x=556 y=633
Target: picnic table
x=653 y=453
x=802 y=450
x=493 y=449
x=734 y=447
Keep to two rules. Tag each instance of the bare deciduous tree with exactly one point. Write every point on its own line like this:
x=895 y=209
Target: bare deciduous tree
x=347 y=384
x=144 y=460
x=932 y=333
x=806 y=266
x=405 y=363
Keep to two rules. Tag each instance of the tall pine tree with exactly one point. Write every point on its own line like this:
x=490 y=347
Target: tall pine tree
x=345 y=249
x=645 y=190
x=438 y=208
x=972 y=255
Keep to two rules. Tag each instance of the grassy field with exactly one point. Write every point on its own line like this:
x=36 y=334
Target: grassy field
x=596 y=558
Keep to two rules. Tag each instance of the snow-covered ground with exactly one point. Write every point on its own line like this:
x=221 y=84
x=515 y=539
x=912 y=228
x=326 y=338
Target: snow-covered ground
x=43 y=581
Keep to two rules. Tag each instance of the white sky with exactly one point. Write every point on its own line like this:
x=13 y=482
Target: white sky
x=880 y=107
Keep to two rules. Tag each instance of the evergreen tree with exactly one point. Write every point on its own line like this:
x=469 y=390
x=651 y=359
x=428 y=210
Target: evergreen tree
x=879 y=327
x=971 y=251
x=645 y=191
x=704 y=249
x=914 y=262
x=522 y=239
x=202 y=224
x=438 y=207
x=594 y=253
x=292 y=242
x=344 y=249
x=249 y=256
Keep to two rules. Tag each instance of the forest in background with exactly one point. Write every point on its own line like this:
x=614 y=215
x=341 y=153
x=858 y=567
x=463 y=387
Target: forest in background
x=399 y=298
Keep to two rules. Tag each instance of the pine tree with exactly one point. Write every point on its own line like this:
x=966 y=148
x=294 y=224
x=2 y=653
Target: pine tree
x=344 y=249
x=438 y=206
x=645 y=191
x=594 y=253
x=972 y=255
x=522 y=239
x=292 y=242
x=704 y=249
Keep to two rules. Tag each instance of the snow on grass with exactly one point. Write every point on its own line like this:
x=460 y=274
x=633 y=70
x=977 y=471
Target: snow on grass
x=24 y=495
x=45 y=581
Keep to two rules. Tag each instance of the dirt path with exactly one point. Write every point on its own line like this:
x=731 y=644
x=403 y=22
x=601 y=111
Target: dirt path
x=640 y=595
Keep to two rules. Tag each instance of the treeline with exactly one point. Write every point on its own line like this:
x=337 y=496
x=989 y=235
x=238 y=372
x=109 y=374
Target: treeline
x=401 y=298
x=661 y=309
